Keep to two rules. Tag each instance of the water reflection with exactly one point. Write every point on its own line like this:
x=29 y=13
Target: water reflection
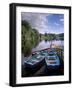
x=31 y=46
x=46 y=44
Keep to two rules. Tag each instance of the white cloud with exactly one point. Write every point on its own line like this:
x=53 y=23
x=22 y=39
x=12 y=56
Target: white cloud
x=57 y=24
x=62 y=20
x=38 y=21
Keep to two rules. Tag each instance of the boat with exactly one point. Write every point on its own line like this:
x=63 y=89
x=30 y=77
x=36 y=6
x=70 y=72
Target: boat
x=36 y=58
x=52 y=60
x=46 y=57
x=34 y=61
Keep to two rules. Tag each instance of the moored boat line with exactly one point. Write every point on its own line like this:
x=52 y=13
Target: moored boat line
x=48 y=55
x=47 y=58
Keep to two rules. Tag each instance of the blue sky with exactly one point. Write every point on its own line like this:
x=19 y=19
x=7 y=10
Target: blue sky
x=45 y=22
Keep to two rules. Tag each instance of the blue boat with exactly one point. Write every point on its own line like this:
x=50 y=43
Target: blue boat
x=43 y=62
x=34 y=61
x=52 y=60
x=43 y=57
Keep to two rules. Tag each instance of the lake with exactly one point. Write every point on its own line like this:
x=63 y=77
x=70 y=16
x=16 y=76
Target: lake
x=46 y=44
x=43 y=45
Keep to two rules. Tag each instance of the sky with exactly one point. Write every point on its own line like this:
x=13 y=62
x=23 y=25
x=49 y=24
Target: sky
x=45 y=22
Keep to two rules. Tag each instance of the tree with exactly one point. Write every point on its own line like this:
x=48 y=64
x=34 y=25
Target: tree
x=30 y=38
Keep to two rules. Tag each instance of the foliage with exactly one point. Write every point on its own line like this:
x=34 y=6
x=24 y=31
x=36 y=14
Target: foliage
x=30 y=38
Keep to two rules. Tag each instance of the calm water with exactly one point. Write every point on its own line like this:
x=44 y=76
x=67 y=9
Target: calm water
x=46 y=44
x=43 y=45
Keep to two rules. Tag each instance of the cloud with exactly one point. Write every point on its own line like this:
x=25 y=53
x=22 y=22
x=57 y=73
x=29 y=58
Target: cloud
x=42 y=23
x=37 y=20
x=57 y=24
x=62 y=20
